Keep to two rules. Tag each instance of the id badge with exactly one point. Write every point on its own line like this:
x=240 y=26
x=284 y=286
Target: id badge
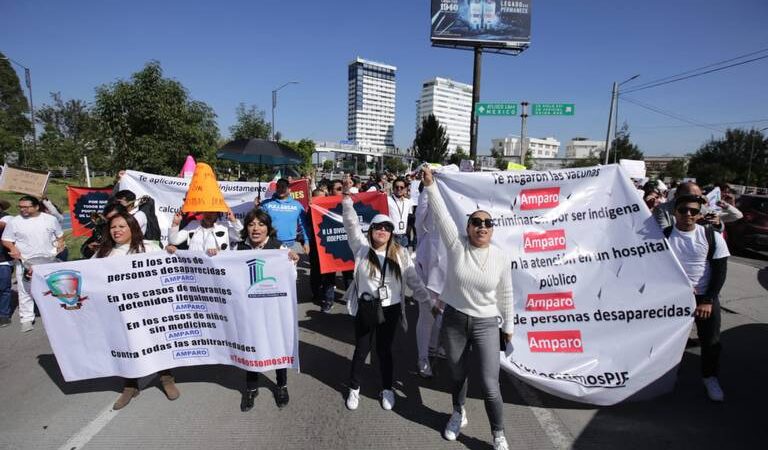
x=383 y=293
x=401 y=226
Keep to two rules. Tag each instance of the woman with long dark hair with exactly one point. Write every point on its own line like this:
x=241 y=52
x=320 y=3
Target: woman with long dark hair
x=377 y=296
x=259 y=234
x=478 y=293
x=124 y=237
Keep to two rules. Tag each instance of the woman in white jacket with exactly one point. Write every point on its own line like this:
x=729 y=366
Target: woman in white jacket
x=375 y=254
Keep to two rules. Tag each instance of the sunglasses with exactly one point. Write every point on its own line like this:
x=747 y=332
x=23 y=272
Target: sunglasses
x=382 y=226
x=476 y=222
x=399 y=187
x=692 y=211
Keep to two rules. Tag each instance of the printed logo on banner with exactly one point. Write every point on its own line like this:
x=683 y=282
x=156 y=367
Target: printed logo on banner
x=191 y=353
x=182 y=334
x=566 y=341
x=550 y=301
x=264 y=286
x=539 y=198
x=546 y=241
x=65 y=285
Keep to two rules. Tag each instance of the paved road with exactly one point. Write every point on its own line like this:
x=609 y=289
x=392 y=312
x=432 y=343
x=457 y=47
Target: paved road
x=39 y=410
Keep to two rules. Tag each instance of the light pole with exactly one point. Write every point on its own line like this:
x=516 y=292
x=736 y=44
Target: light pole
x=28 y=82
x=751 y=153
x=274 y=105
x=614 y=108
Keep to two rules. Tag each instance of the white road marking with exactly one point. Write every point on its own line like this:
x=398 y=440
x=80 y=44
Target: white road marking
x=553 y=427
x=87 y=433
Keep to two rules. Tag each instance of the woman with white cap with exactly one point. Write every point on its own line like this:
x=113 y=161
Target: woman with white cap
x=377 y=296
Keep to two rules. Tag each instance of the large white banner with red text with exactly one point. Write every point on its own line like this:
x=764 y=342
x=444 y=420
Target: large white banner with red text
x=602 y=307
x=131 y=316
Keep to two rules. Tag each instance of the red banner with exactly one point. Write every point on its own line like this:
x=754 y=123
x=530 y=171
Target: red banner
x=328 y=230
x=83 y=201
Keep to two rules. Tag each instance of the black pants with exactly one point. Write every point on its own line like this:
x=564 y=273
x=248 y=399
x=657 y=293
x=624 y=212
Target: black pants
x=385 y=335
x=321 y=284
x=252 y=379
x=709 y=338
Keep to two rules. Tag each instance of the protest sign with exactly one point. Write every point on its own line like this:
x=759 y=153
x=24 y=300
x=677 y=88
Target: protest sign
x=299 y=191
x=328 y=229
x=84 y=201
x=24 y=181
x=634 y=168
x=602 y=307
x=131 y=316
x=713 y=198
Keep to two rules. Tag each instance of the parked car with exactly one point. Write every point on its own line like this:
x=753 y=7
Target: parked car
x=751 y=231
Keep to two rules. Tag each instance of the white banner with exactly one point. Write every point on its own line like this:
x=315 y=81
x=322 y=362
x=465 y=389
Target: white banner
x=602 y=307
x=131 y=316
x=169 y=193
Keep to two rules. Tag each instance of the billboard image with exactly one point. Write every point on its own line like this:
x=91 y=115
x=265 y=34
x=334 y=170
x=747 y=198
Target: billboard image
x=481 y=23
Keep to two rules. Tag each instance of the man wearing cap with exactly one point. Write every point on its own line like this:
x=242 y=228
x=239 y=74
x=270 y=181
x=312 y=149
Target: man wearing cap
x=288 y=217
x=6 y=270
x=703 y=254
x=400 y=208
x=664 y=213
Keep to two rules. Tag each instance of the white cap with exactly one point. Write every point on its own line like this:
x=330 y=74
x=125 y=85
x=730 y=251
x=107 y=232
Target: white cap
x=382 y=218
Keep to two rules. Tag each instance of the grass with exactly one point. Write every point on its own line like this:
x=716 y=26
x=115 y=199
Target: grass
x=57 y=193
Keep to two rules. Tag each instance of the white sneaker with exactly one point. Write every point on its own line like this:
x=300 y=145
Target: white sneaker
x=500 y=443
x=387 y=399
x=455 y=424
x=714 y=391
x=353 y=399
x=27 y=326
x=425 y=370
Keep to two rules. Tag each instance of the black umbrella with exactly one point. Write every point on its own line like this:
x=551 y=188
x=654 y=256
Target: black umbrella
x=259 y=151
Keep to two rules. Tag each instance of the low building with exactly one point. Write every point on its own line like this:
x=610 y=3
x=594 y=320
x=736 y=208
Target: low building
x=581 y=147
x=540 y=148
x=657 y=165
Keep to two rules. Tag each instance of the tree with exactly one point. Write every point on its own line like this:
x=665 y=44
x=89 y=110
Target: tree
x=305 y=147
x=250 y=123
x=14 y=125
x=677 y=169
x=583 y=162
x=499 y=162
x=431 y=143
x=728 y=159
x=328 y=165
x=394 y=164
x=457 y=156
x=622 y=147
x=150 y=123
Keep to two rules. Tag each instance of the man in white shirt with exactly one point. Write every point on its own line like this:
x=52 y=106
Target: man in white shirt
x=400 y=208
x=703 y=254
x=30 y=234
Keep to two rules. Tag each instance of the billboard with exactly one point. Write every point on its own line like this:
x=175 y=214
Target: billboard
x=481 y=23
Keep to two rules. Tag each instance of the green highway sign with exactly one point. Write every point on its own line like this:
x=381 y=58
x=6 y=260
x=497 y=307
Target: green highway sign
x=495 y=109
x=552 y=109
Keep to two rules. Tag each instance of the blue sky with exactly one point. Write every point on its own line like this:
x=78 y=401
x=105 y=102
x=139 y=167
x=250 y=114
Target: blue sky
x=227 y=52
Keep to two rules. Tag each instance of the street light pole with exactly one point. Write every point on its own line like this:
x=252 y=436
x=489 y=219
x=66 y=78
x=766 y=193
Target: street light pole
x=751 y=153
x=614 y=114
x=274 y=105
x=28 y=82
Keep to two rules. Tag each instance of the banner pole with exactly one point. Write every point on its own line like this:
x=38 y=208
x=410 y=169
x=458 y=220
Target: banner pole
x=475 y=99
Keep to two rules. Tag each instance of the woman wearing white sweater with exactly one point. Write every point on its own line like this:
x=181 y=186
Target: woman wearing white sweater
x=375 y=254
x=478 y=292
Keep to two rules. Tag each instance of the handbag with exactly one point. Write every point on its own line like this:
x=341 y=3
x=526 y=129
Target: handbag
x=369 y=306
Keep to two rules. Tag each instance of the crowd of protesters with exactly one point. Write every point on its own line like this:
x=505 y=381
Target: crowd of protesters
x=459 y=308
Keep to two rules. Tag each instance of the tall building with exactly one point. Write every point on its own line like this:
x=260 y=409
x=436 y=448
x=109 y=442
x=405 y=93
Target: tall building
x=539 y=148
x=451 y=103
x=371 y=104
x=580 y=147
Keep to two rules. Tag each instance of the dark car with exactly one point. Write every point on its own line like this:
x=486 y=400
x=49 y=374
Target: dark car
x=751 y=231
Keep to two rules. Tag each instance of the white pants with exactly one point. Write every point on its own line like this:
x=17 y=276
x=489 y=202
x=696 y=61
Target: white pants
x=427 y=330
x=26 y=303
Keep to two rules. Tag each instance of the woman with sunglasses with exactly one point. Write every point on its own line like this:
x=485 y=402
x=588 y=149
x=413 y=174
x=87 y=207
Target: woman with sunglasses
x=382 y=268
x=124 y=237
x=478 y=293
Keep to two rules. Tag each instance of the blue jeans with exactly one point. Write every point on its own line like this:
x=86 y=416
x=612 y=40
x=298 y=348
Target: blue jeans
x=401 y=239
x=5 y=290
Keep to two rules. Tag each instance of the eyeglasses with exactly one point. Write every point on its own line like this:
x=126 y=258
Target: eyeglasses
x=692 y=211
x=476 y=222
x=382 y=226
x=399 y=187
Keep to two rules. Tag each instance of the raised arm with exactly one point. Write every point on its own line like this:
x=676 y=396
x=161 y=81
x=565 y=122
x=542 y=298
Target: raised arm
x=355 y=237
x=441 y=219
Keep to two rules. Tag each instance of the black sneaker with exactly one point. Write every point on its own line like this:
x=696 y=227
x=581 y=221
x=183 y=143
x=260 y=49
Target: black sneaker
x=246 y=403
x=5 y=321
x=326 y=308
x=281 y=396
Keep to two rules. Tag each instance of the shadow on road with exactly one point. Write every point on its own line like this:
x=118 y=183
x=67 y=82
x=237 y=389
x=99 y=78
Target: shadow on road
x=51 y=366
x=762 y=278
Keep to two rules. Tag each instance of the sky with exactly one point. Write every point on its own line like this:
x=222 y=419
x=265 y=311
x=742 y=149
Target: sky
x=228 y=52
